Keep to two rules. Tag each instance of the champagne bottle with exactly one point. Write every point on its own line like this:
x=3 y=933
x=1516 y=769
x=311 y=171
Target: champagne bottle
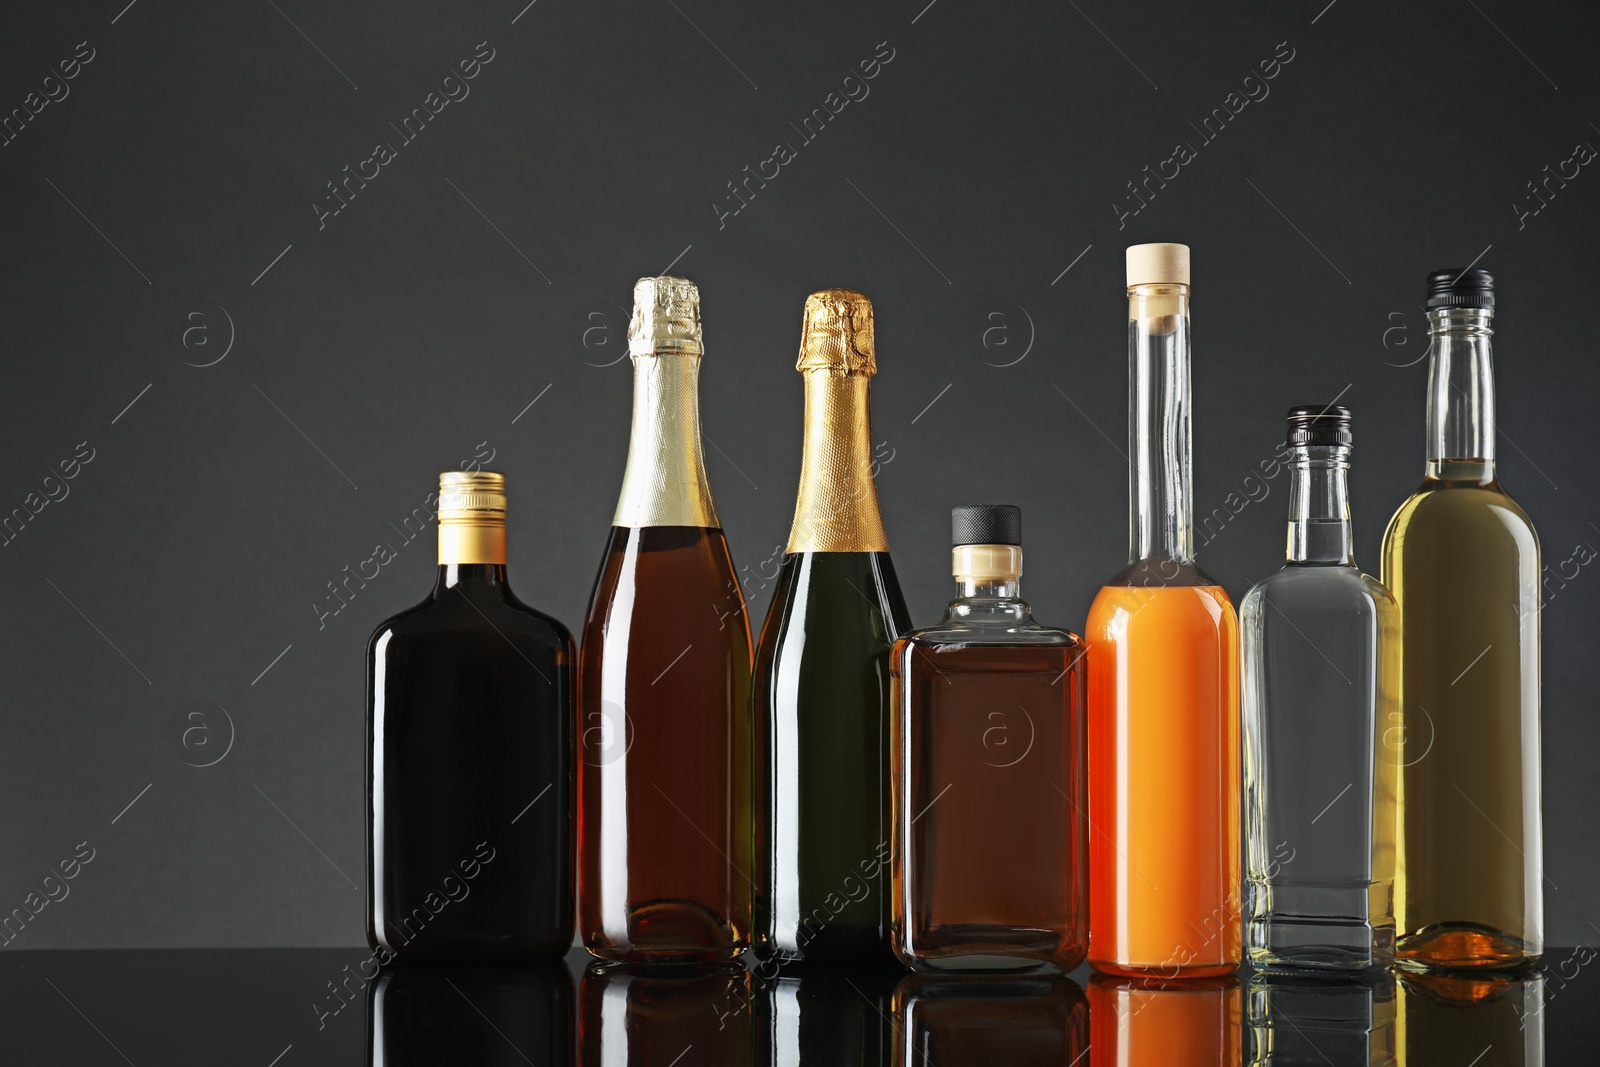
x=822 y=675
x=1462 y=560
x=664 y=834
x=469 y=755
x=1163 y=641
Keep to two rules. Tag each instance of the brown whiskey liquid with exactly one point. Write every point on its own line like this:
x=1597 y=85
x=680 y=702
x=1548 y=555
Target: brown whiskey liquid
x=994 y=737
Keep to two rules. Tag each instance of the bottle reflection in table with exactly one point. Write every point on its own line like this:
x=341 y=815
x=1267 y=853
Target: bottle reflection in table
x=484 y=1015
x=1015 y=1021
x=1299 y=1019
x=636 y=1016
x=1142 y=1022
x=826 y=1016
x=1486 y=1020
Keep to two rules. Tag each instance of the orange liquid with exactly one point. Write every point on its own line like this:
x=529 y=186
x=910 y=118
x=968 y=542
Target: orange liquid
x=1164 y=896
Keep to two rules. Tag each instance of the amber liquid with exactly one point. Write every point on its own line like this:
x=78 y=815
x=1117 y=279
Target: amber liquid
x=664 y=777
x=1164 y=895
x=992 y=823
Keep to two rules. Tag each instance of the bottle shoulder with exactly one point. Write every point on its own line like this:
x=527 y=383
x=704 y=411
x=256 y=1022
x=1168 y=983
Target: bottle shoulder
x=456 y=611
x=1453 y=510
x=1316 y=587
x=1026 y=635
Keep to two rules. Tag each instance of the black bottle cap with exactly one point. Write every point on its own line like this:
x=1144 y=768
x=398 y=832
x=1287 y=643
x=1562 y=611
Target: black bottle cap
x=1320 y=424
x=986 y=524
x=1457 y=288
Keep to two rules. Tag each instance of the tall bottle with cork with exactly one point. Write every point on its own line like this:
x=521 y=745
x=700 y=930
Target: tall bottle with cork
x=1164 y=770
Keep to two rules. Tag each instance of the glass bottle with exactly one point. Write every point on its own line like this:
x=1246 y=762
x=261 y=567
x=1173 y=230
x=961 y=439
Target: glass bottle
x=664 y=831
x=469 y=756
x=990 y=831
x=822 y=672
x=1163 y=645
x=1321 y=676
x=1462 y=560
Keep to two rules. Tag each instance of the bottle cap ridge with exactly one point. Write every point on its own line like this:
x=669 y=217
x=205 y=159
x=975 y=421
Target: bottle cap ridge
x=1158 y=264
x=986 y=524
x=837 y=334
x=1320 y=424
x=473 y=497
x=666 y=318
x=1458 y=288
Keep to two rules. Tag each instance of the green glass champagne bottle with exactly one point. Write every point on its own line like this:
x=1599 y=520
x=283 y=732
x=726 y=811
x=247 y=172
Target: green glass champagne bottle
x=822 y=673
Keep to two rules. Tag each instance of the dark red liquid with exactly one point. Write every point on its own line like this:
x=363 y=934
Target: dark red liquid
x=664 y=778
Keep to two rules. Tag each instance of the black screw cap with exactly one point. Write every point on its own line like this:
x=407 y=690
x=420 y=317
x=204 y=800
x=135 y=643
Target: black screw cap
x=986 y=524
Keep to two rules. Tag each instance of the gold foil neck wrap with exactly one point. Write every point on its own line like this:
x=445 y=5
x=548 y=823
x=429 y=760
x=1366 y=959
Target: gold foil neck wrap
x=986 y=562
x=472 y=517
x=837 y=334
x=665 y=481
x=666 y=318
x=837 y=507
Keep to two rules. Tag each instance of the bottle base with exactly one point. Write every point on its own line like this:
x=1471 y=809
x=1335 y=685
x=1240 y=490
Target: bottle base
x=667 y=932
x=1305 y=943
x=1158 y=972
x=985 y=948
x=1465 y=947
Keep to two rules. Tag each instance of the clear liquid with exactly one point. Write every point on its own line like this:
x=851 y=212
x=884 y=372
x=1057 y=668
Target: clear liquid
x=1321 y=665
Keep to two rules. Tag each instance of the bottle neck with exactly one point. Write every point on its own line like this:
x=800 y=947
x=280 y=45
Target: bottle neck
x=1461 y=395
x=970 y=587
x=665 y=481
x=467 y=576
x=837 y=506
x=1161 y=506
x=1319 y=505
x=988 y=584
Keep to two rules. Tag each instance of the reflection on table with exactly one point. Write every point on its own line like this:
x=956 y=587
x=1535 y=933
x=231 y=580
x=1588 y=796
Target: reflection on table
x=483 y=1016
x=726 y=1016
x=1135 y=1022
x=1487 y=1020
x=998 y=1020
x=1337 y=1022
x=811 y=1017
x=665 y=1017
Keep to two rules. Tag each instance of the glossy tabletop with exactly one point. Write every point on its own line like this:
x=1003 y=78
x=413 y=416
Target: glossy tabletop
x=292 y=1008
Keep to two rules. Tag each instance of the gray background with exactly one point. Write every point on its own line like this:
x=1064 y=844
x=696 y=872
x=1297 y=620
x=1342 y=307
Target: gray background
x=385 y=346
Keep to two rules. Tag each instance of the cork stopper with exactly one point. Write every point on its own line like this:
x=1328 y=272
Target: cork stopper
x=1158 y=264
x=837 y=334
x=666 y=318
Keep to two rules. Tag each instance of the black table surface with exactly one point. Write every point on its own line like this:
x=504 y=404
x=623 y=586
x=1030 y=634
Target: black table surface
x=299 y=1007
